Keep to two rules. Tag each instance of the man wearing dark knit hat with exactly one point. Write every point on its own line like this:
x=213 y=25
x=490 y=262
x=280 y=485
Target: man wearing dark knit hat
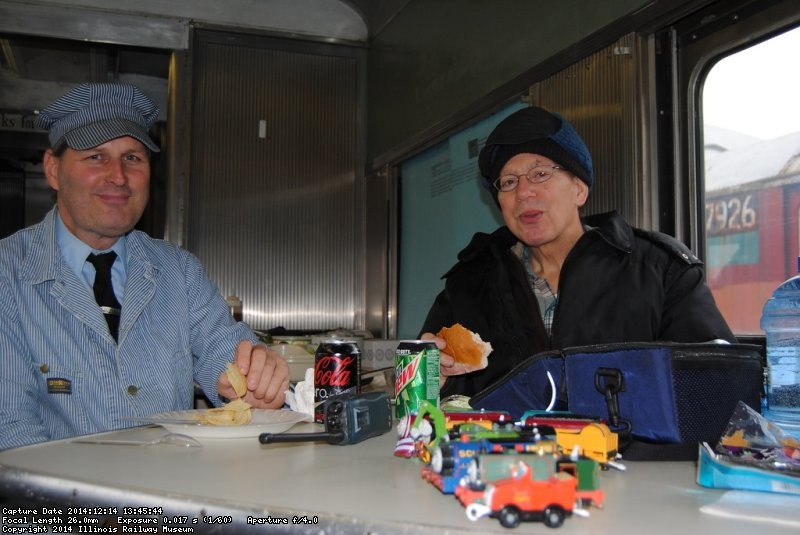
x=549 y=279
x=102 y=323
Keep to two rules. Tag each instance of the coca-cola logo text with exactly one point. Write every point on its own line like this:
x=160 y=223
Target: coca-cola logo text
x=334 y=371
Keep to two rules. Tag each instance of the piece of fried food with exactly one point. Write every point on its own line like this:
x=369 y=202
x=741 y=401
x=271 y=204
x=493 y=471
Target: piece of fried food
x=237 y=412
x=465 y=346
x=238 y=381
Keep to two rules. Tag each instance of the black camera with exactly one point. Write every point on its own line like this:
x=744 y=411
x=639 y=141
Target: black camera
x=349 y=418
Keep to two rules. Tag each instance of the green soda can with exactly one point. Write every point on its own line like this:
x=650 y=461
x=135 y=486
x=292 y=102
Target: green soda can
x=416 y=368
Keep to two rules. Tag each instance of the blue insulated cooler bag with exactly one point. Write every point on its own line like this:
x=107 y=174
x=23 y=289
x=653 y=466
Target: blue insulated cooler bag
x=661 y=398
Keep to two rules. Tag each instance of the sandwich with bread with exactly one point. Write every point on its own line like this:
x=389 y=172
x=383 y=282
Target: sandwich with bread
x=465 y=346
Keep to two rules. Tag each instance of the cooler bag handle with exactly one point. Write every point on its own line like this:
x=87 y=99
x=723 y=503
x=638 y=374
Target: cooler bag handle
x=610 y=382
x=535 y=383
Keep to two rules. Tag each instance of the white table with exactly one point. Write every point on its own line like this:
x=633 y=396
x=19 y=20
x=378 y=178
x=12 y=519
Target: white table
x=361 y=488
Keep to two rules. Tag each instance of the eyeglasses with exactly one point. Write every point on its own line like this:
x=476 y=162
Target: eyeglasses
x=535 y=175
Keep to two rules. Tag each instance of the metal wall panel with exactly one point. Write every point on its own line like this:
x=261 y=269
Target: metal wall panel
x=441 y=62
x=274 y=198
x=378 y=243
x=106 y=26
x=599 y=95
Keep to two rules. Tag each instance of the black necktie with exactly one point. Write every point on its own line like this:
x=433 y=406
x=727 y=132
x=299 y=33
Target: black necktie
x=104 y=291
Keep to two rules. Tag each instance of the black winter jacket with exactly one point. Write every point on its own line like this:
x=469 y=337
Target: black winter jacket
x=617 y=284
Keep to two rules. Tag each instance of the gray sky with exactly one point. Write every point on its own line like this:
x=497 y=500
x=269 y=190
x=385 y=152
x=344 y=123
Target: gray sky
x=757 y=91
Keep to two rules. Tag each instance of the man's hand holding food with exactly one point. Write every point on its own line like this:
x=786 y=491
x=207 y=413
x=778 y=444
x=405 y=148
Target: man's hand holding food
x=265 y=374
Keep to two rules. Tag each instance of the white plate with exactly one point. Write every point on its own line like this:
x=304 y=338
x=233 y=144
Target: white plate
x=264 y=421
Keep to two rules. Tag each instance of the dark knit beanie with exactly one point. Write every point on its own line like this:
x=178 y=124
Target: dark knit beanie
x=537 y=131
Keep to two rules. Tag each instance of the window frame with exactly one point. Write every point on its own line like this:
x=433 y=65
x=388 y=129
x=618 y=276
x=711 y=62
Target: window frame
x=687 y=51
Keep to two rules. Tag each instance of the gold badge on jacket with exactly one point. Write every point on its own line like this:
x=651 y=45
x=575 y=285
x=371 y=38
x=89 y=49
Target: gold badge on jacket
x=58 y=385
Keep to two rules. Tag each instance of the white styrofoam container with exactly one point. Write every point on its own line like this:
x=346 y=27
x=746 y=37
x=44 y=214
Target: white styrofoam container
x=377 y=353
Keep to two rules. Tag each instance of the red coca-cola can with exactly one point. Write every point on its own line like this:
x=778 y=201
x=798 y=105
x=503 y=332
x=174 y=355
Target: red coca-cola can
x=337 y=369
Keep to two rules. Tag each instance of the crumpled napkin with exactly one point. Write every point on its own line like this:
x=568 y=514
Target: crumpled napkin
x=302 y=398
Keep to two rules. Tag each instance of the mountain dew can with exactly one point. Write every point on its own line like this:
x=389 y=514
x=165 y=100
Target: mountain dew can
x=416 y=372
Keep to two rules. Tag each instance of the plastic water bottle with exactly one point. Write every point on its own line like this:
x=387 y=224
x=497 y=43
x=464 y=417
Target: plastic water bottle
x=780 y=321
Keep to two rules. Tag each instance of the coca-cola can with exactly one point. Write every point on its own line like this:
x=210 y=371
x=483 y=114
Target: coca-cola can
x=337 y=370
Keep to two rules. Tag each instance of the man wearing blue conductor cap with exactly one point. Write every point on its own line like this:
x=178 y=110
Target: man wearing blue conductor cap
x=92 y=114
x=551 y=279
x=103 y=323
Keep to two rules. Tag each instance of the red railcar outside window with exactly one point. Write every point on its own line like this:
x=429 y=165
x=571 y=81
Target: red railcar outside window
x=751 y=137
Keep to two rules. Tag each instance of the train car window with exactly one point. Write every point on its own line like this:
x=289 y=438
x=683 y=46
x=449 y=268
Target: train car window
x=751 y=140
